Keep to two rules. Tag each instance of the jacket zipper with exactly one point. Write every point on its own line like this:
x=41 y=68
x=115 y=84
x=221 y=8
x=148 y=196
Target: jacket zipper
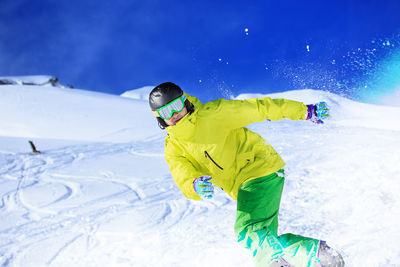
x=208 y=156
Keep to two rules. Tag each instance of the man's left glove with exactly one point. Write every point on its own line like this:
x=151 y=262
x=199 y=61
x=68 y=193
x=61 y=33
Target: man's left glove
x=317 y=112
x=203 y=187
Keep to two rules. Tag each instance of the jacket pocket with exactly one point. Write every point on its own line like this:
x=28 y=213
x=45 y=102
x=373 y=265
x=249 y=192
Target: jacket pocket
x=213 y=161
x=244 y=159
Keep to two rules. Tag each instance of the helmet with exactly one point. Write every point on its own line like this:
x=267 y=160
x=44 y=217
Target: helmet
x=163 y=94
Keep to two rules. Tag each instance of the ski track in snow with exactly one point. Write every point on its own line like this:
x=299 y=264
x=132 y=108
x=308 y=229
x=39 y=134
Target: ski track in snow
x=70 y=212
x=42 y=222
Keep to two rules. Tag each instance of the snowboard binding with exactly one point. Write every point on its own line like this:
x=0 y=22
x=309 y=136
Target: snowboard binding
x=328 y=257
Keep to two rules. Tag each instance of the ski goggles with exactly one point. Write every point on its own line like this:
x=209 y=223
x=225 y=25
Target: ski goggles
x=175 y=106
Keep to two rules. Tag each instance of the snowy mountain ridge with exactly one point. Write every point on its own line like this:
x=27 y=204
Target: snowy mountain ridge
x=40 y=80
x=140 y=93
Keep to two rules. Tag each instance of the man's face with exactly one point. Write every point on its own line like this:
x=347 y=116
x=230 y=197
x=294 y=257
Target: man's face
x=176 y=117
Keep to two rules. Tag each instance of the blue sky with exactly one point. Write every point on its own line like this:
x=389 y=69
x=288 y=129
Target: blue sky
x=114 y=46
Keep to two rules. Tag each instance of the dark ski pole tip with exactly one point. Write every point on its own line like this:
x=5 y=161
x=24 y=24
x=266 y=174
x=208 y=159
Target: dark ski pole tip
x=34 y=150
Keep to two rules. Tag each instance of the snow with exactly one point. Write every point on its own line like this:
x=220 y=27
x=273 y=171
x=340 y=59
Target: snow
x=100 y=193
x=140 y=93
x=42 y=80
x=392 y=99
x=59 y=113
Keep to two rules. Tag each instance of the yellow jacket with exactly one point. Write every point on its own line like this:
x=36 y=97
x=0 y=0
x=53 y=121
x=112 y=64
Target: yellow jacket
x=213 y=141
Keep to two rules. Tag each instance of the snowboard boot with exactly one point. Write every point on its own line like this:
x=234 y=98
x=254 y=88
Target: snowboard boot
x=280 y=262
x=328 y=257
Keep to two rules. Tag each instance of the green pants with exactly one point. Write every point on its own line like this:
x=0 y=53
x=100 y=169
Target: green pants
x=256 y=225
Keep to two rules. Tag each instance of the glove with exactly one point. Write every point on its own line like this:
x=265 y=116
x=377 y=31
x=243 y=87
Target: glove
x=317 y=112
x=203 y=187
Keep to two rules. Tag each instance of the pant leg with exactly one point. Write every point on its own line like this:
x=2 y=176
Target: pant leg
x=256 y=225
x=258 y=206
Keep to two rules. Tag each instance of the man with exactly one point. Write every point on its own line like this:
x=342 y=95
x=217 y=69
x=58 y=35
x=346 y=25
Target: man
x=207 y=145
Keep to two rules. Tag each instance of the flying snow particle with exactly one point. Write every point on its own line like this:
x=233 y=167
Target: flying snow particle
x=246 y=31
x=308 y=48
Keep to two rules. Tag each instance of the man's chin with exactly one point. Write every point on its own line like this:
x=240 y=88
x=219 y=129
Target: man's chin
x=172 y=123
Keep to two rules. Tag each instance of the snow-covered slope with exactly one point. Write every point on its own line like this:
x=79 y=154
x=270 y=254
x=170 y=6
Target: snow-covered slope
x=59 y=113
x=140 y=93
x=39 y=80
x=102 y=203
x=344 y=111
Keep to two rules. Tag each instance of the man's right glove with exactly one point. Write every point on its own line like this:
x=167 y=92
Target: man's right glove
x=203 y=187
x=317 y=112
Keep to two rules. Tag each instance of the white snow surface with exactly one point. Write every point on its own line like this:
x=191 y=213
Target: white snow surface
x=140 y=93
x=35 y=79
x=42 y=80
x=60 y=113
x=101 y=194
x=392 y=99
